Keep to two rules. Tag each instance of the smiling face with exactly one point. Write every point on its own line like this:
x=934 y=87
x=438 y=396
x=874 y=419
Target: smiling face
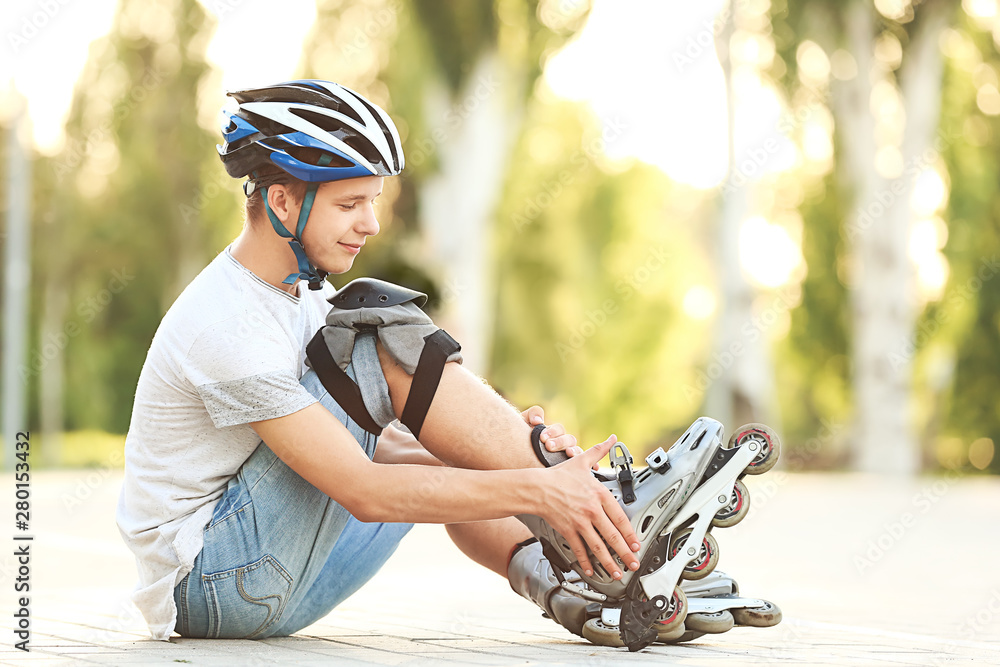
x=342 y=218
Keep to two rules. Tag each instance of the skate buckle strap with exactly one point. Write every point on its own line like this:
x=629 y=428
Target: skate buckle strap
x=658 y=461
x=621 y=460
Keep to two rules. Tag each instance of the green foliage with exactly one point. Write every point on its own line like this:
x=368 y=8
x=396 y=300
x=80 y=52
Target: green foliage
x=124 y=209
x=590 y=267
x=812 y=363
x=964 y=326
x=457 y=32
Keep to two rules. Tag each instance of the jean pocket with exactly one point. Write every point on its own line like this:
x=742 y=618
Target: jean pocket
x=244 y=602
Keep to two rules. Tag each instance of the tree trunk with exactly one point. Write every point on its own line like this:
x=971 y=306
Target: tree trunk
x=882 y=299
x=51 y=380
x=741 y=393
x=457 y=204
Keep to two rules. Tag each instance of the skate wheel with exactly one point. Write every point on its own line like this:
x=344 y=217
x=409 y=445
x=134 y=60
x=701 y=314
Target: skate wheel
x=596 y=632
x=671 y=635
x=704 y=562
x=672 y=617
x=714 y=623
x=758 y=617
x=687 y=636
x=768 y=440
x=736 y=510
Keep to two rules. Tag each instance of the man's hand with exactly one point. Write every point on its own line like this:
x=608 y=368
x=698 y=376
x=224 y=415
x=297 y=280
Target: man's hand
x=583 y=510
x=554 y=437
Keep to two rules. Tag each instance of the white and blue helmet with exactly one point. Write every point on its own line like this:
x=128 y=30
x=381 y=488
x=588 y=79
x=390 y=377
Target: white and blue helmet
x=287 y=125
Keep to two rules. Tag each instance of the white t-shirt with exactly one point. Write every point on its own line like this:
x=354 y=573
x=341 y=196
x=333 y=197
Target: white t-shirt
x=230 y=351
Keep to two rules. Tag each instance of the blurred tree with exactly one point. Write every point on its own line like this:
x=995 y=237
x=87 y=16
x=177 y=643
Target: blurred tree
x=469 y=68
x=744 y=389
x=125 y=228
x=593 y=258
x=958 y=336
x=886 y=124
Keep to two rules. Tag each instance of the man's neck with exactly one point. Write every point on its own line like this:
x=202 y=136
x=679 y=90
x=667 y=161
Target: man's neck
x=271 y=261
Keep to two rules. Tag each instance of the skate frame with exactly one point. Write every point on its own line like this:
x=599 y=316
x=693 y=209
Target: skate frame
x=707 y=499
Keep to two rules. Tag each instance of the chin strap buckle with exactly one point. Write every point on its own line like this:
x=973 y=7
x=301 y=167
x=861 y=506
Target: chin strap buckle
x=621 y=460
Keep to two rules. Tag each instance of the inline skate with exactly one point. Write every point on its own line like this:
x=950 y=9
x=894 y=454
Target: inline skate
x=672 y=503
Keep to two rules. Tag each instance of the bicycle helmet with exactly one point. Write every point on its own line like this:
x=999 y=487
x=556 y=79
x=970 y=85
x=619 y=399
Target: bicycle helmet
x=286 y=125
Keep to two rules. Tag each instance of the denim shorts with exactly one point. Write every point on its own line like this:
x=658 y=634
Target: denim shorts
x=279 y=554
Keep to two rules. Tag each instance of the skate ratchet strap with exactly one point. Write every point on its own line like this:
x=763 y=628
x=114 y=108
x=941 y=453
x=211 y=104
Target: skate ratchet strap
x=547 y=458
x=342 y=388
x=438 y=346
x=621 y=460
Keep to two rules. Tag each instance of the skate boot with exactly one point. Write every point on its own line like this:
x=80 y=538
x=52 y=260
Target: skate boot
x=672 y=505
x=532 y=577
x=715 y=606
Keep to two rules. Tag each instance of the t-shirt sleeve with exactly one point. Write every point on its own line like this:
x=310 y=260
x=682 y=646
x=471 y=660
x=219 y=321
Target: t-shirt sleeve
x=243 y=372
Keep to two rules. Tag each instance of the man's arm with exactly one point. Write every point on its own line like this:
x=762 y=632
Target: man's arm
x=396 y=446
x=321 y=449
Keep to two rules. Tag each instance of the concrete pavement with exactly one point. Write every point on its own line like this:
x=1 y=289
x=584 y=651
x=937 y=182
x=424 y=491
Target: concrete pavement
x=868 y=571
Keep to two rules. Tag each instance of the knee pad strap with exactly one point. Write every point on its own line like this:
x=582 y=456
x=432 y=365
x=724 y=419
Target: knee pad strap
x=438 y=346
x=342 y=388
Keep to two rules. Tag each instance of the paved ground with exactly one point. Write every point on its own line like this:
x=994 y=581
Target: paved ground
x=867 y=571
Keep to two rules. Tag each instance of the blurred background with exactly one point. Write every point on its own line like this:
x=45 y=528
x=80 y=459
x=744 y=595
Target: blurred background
x=632 y=213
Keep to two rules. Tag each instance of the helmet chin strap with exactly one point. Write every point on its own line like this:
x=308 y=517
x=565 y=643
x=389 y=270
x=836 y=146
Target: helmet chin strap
x=306 y=271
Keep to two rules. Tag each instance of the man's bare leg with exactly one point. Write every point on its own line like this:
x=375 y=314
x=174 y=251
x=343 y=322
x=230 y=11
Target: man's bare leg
x=468 y=424
x=489 y=543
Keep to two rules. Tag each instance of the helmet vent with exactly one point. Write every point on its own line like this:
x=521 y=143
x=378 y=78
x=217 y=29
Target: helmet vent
x=327 y=123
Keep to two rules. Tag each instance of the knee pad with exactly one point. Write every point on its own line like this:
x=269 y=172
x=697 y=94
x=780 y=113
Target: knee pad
x=367 y=309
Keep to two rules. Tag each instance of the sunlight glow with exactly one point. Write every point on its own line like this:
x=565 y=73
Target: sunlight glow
x=659 y=76
x=982 y=9
x=768 y=254
x=699 y=302
x=927 y=237
x=44 y=53
x=930 y=193
x=988 y=99
x=892 y=9
x=814 y=66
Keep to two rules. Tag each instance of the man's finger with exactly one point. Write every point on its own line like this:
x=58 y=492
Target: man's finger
x=600 y=450
x=553 y=431
x=580 y=552
x=623 y=525
x=600 y=551
x=534 y=415
x=560 y=443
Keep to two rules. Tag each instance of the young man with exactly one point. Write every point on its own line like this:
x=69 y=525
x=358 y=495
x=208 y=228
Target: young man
x=253 y=502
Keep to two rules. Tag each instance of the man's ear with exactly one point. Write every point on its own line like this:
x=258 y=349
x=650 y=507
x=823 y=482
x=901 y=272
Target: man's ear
x=282 y=204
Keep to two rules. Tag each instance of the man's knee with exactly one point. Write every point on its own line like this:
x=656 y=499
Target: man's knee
x=410 y=354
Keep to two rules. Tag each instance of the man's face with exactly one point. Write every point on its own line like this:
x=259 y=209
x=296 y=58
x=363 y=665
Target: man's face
x=342 y=217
